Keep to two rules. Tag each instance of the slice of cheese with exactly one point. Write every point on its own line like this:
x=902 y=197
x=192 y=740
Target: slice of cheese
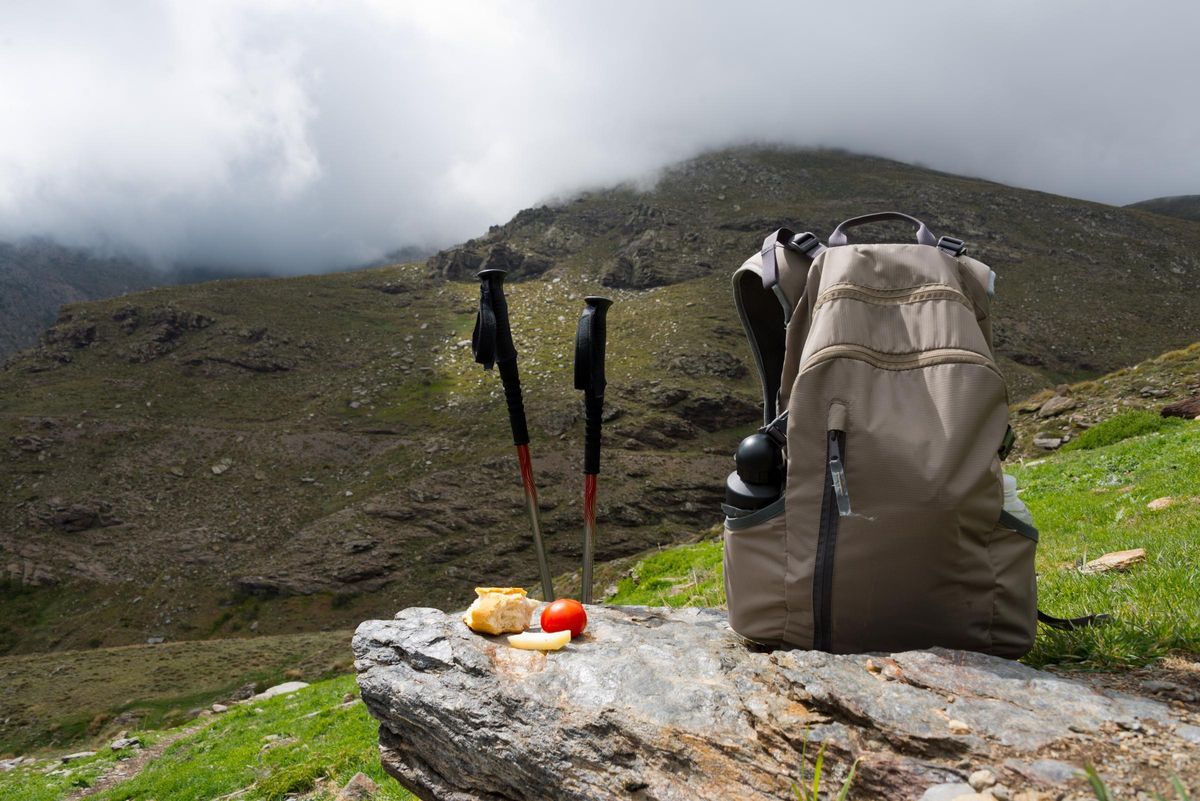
x=499 y=610
x=540 y=640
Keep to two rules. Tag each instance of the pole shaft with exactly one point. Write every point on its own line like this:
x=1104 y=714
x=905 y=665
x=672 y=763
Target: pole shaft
x=535 y=520
x=589 y=535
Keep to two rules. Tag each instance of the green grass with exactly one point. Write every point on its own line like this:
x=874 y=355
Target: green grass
x=69 y=696
x=318 y=743
x=1091 y=502
x=690 y=575
x=1121 y=427
x=1085 y=503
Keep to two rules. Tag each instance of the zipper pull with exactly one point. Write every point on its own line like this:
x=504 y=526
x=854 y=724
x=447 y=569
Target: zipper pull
x=838 y=472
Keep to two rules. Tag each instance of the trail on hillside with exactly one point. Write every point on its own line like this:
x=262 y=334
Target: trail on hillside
x=126 y=769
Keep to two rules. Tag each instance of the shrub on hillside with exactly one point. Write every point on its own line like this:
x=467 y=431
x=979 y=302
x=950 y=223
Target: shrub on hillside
x=1123 y=426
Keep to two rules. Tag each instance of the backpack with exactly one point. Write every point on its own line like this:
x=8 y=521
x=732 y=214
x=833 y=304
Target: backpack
x=867 y=513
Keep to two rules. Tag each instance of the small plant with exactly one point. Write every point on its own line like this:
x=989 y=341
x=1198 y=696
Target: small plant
x=812 y=791
x=1102 y=794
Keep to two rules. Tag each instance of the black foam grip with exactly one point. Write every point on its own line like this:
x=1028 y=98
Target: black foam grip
x=512 y=396
x=593 y=412
x=492 y=339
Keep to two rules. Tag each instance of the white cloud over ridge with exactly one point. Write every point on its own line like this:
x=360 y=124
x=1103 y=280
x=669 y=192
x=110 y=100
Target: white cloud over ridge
x=298 y=136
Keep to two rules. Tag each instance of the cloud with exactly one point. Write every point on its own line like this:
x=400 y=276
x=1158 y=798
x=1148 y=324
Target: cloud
x=298 y=136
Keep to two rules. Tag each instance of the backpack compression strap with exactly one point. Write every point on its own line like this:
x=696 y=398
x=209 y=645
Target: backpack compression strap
x=1072 y=623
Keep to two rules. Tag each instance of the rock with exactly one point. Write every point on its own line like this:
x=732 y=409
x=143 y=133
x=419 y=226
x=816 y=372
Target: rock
x=76 y=756
x=1001 y=792
x=1047 y=442
x=670 y=704
x=78 y=516
x=1189 y=409
x=951 y=791
x=219 y=708
x=1117 y=560
x=1153 y=392
x=221 y=466
x=1044 y=771
x=1159 y=504
x=980 y=780
x=280 y=689
x=718 y=412
x=359 y=788
x=125 y=742
x=1170 y=689
x=709 y=363
x=1056 y=405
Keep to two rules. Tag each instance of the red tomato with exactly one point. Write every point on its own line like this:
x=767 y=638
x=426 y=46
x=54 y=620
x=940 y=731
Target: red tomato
x=563 y=615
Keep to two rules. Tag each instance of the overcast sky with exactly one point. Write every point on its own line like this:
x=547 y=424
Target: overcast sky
x=305 y=135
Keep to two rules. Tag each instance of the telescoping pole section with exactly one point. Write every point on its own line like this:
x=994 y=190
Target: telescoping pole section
x=589 y=376
x=492 y=343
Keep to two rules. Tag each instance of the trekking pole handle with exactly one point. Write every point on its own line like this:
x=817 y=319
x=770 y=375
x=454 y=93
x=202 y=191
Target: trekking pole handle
x=924 y=235
x=590 y=342
x=492 y=344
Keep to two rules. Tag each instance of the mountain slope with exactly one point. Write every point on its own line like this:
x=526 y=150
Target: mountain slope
x=37 y=277
x=1185 y=207
x=289 y=454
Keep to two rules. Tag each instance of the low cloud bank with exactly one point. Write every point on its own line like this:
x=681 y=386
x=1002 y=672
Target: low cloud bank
x=306 y=136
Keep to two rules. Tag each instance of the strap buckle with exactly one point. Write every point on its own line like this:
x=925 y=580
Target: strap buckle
x=777 y=430
x=952 y=245
x=806 y=243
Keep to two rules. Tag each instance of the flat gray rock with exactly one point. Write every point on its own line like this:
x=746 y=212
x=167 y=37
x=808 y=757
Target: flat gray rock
x=670 y=704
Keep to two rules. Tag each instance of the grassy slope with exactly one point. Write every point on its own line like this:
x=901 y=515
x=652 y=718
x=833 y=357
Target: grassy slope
x=1146 y=386
x=1185 y=207
x=1085 y=503
x=70 y=696
x=319 y=740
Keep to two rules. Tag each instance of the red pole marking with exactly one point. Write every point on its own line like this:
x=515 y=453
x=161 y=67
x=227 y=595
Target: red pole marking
x=527 y=471
x=589 y=498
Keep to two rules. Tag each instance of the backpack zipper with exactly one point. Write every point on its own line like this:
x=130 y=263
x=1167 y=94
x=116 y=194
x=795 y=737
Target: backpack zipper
x=834 y=505
x=890 y=297
x=899 y=361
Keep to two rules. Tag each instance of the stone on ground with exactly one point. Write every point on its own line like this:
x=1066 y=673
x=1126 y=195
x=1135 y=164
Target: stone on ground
x=280 y=689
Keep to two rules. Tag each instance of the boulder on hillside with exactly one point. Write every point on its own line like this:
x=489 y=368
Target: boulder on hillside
x=78 y=516
x=670 y=704
x=1188 y=408
x=462 y=263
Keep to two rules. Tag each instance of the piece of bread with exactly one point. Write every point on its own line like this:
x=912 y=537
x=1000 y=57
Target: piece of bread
x=500 y=610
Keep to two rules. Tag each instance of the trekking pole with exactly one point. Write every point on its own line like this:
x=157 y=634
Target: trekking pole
x=589 y=377
x=492 y=343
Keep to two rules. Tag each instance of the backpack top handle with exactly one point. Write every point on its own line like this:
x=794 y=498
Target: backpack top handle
x=924 y=235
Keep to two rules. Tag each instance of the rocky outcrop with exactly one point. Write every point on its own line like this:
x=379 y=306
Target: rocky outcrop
x=462 y=263
x=75 y=516
x=670 y=704
x=164 y=326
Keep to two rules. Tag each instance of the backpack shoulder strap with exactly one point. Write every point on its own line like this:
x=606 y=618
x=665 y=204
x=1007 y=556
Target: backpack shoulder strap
x=766 y=289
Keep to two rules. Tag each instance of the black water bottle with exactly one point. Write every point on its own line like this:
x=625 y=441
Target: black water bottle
x=758 y=480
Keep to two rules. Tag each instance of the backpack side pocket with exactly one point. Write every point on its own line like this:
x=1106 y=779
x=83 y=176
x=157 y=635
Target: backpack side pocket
x=755 y=545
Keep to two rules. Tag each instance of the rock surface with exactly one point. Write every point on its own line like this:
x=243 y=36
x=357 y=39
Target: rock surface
x=670 y=704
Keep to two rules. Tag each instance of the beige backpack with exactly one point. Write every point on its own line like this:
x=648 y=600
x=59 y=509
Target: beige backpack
x=867 y=514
